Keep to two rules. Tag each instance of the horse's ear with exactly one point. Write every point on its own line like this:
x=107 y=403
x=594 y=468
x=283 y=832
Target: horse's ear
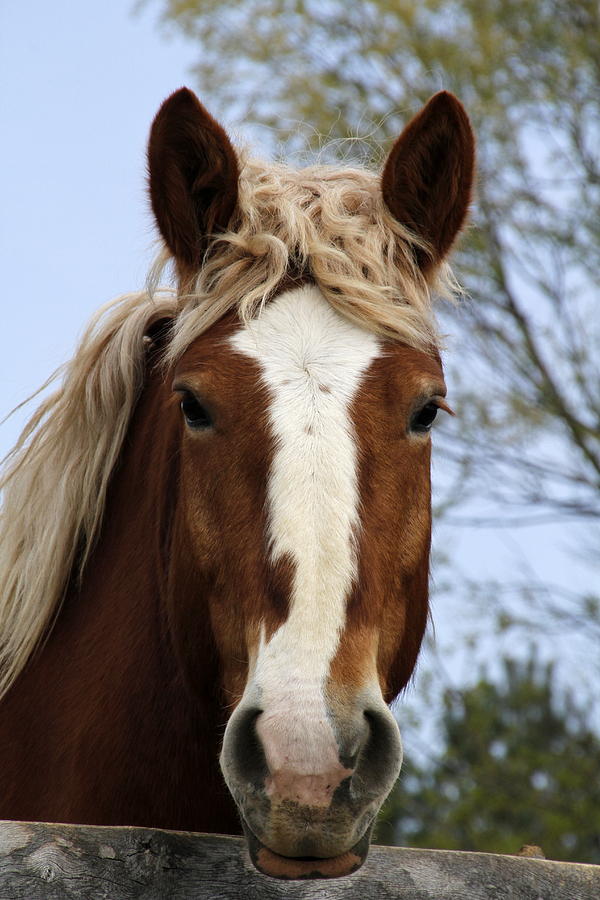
x=428 y=176
x=193 y=176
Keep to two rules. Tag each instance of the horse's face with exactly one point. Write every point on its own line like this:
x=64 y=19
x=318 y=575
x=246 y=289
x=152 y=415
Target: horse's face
x=304 y=504
x=305 y=484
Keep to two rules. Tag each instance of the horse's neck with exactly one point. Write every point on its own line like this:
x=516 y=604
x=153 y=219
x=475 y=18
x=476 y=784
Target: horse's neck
x=113 y=611
x=111 y=711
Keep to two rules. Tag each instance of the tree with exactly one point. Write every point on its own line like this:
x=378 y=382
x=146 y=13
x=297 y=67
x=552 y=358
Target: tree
x=526 y=445
x=518 y=765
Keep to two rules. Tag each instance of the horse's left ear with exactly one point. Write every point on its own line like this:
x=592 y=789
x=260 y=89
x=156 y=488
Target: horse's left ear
x=193 y=176
x=428 y=176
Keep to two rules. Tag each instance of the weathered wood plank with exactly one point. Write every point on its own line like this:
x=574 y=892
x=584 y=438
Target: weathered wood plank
x=60 y=862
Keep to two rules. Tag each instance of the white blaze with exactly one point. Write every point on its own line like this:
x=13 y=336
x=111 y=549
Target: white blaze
x=313 y=361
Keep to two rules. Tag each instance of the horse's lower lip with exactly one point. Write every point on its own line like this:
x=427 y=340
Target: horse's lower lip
x=292 y=867
x=270 y=863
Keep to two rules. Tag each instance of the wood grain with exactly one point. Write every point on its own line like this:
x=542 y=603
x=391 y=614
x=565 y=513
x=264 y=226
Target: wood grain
x=54 y=862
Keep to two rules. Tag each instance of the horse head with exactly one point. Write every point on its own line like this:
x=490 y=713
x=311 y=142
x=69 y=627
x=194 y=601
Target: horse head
x=304 y=516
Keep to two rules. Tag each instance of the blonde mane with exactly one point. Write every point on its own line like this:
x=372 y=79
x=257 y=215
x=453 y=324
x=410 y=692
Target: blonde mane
x=329 y=223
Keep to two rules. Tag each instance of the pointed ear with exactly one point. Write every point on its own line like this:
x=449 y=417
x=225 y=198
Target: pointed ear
x=428 y=176
x=193 y=176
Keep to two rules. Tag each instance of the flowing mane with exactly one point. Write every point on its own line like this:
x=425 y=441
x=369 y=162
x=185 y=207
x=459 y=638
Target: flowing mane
x=328 y=223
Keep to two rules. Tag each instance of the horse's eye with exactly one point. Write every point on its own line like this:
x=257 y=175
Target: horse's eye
x=422 y=420
x=195 y=414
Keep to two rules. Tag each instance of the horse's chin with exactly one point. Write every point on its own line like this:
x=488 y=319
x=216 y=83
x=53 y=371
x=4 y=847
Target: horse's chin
x=292 y=867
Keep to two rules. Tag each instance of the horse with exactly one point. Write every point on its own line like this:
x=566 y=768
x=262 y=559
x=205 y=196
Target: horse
x=216 y=532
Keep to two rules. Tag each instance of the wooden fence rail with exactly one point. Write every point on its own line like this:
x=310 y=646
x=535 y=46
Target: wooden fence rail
x=56 y=862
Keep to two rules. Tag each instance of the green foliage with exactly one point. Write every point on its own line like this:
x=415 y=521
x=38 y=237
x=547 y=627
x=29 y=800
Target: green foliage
x=519 y=765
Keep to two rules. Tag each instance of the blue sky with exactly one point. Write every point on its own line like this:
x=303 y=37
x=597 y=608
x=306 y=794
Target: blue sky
x=79 y=86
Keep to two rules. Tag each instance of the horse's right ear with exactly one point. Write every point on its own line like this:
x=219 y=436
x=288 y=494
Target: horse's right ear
x=193 y=176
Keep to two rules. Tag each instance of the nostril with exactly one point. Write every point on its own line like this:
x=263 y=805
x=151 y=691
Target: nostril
x=354 y=741
x=376 y=721
x=382 y=747
x=245 y=755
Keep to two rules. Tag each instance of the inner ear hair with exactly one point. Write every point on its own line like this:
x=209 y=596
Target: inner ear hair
x=157 y=333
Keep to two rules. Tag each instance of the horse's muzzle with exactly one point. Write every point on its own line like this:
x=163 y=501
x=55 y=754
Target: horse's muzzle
x=310 y=816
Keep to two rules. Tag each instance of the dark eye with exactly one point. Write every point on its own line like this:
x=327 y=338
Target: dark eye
x=195 y=414
x=422 y=420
